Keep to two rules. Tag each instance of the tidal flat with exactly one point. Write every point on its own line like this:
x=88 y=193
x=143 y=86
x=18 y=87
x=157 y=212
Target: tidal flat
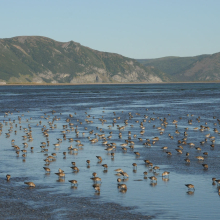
x=53 y=126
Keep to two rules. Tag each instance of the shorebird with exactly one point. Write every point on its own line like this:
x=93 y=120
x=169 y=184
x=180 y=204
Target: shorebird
x=94 y=174
x=200 y=158
x=31 y=184
x=60 y=174
x=190 y=186
x=60 y=171
x=122 y=186
x=156 y=168
x=96 y=179
x=164 y=148
x=74 y=182
x=137 y=153
x=134 y=165
x=145 y=173
x=119 y=180
x=75 y=168
x=169 y=153
x=187 y=160
x=153 y=178
x=146 y=161
x=47 y=169
x=179 y=151
x=8 y=176
x=165 y=173
x=99 y=158
x=119 y=170
x=217 y=181
x=205 y=166
x=124 y=174
x=105 y=166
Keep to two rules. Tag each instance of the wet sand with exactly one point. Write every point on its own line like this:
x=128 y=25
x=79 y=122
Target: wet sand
x=37 y=203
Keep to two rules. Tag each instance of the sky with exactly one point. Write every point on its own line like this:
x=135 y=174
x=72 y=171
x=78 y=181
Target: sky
x=138 y=29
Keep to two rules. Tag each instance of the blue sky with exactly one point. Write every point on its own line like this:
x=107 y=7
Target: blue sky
x=133 y=28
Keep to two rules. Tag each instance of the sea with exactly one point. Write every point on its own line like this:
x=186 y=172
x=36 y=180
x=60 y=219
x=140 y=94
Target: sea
x=177 y=114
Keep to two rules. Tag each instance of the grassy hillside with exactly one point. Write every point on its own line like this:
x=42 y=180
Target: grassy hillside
x=198 y=68
x=40 y=59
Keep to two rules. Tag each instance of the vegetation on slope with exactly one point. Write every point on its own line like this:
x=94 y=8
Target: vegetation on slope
x=41 y=59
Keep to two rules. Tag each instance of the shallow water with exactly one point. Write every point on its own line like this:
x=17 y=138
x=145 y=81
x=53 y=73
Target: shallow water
x=168 y=198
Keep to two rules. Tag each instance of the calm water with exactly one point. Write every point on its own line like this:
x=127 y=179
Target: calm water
x=168 y=199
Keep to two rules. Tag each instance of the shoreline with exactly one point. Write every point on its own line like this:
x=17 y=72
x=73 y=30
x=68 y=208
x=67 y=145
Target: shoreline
x=129 y=83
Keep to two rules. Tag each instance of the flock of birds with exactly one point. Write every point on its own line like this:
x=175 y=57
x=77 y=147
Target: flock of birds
x=75 y=130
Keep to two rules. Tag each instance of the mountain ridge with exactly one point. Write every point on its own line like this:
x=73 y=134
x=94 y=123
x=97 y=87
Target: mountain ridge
x=36 y=59
x=182 y=69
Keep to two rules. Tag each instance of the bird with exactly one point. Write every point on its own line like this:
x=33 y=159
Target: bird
x=165 y=173
x=119 y=170
x=187 y=160
x=60 y=171
x=134 y=165
x=47 y=169
x=164 y=148
x=145 y=173
x=153 y=178
x=205 y=166
x=213 y=179
x=122 y=186
x=200 y=158
x=217 y=181
x=74 y=182
x=124 y=174
x=99 y=158
x=190 y=186
x=60 y=174
x=94 y=174
x=156 y=168
x=105 y=166
x=96 y=179
x=8 y=176
x=119 y=180
x=31 y=184
x=147 y=161
x=137 y=153
x=179 y=151
x=75 y=169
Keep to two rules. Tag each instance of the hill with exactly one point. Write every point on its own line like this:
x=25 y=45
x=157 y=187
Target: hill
x=197 y=68
x=37 y=59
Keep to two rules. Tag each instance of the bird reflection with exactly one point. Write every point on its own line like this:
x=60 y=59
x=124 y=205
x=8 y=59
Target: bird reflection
x=153 y=184
x=61 y=180
x=190 y=193
x=165 y=179
x=73 y=187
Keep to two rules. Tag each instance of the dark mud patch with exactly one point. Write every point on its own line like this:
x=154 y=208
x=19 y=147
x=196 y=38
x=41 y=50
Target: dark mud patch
x=18 y=202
